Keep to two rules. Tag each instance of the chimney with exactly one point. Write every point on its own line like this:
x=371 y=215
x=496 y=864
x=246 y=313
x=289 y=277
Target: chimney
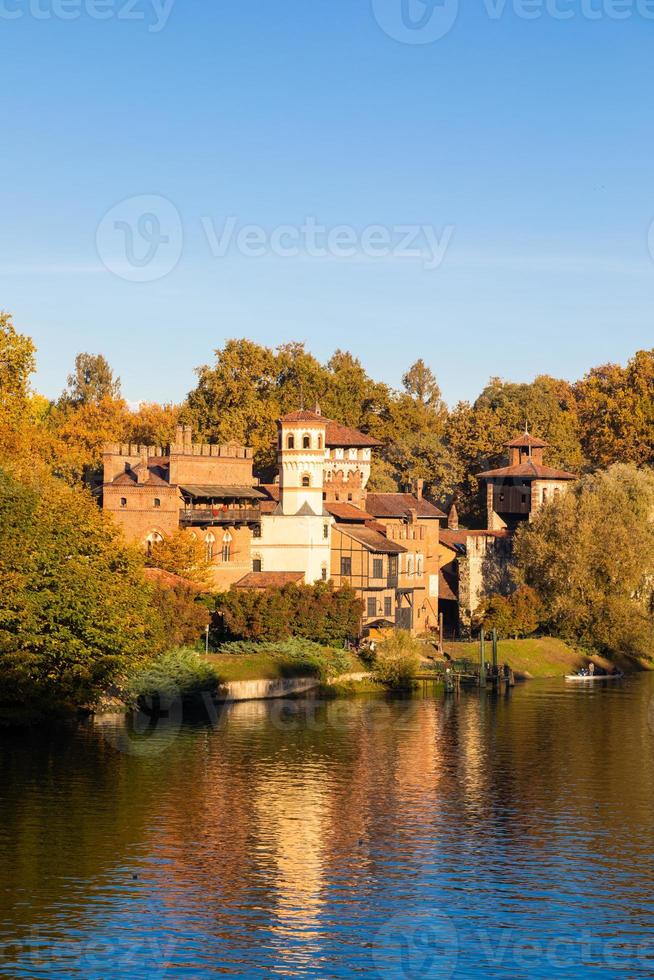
x=317 y=409
x=188 y=439
x=453 y=519
x=413 y=515
x=420 y=486
x=179 y=435
x=143 y=472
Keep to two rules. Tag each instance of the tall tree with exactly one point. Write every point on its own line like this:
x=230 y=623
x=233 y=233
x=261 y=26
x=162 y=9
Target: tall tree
x=16 y=365
x=590 y=557
x=91 y=382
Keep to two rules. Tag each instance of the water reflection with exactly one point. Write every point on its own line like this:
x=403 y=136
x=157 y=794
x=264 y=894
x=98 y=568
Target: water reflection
x=326 y=839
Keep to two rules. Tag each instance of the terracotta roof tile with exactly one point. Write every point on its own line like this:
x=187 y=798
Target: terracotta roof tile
x=347 y=512
x=400 y=505
x=344 y=436
x=528 y=441
x=529 y=471
x=372 y=540
x=303 y=416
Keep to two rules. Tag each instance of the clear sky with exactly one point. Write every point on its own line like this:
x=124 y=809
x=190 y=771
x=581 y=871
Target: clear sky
x=524 y=143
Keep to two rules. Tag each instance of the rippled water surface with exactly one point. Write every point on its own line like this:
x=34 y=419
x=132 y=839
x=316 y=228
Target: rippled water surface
x=501 y=837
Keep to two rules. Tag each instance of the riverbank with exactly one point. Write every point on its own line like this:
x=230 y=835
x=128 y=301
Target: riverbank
x=543 y=656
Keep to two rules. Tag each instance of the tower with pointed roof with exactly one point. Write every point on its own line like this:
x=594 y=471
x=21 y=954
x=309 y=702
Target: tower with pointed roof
x=516 y=492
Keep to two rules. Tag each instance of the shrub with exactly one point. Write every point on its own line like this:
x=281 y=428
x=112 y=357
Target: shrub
x=319 y=613
x=176 y=673
x=397 y=660
x=184 y=617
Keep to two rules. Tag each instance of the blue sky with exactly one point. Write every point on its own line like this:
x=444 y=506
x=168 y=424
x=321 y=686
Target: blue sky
x=529 y=139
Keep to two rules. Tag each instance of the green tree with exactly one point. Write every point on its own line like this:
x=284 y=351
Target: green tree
x=74 y=607
x=590 y=558
x=91 y=381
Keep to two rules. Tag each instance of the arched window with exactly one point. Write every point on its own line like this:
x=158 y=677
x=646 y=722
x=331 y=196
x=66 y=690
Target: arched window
x=227 y=546
x=153 y=538
x=557 y=491
x=418 y=565
x=290 y=442
x=409 y=564
x=306 y=442
x=319 y=442
x=157 y=502
x=123 y=501
x=306 y=480
x=544 y=498
x=209 y=542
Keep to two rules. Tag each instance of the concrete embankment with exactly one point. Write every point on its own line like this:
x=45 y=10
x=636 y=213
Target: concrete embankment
x=257 y=690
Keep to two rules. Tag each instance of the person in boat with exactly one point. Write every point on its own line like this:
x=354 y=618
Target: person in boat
x=591 y=668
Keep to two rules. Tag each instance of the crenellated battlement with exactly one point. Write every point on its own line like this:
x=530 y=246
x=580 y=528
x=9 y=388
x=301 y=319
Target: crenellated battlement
x=405 y=532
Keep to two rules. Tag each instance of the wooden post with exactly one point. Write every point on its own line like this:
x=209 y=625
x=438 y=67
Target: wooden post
x=482 y=658
x=440 y=634
x=494 y=636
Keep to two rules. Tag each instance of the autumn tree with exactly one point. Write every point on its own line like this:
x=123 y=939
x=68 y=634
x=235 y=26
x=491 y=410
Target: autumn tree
x=616 y=412
x=515 y=615
x=590 y=557
x=182 y=554
x=17 y=363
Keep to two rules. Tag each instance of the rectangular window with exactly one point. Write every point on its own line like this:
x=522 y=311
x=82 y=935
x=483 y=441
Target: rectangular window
x=123 y=501
x=346 y=567
x=372 y=608
x=325 y=531
x=388 y=606
x=157 y=502
x=324 y=574
x=256 y=565
x=256 y=531
x=378 y=568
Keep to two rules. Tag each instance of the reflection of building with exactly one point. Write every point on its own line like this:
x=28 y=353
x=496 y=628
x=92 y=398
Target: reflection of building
x=514 y=493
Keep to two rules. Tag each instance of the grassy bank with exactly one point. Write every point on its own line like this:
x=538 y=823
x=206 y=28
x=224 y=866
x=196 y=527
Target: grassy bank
x=543 y=656
x=276 y=660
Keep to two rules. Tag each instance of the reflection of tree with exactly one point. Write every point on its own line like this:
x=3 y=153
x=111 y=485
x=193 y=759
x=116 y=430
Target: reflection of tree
x=252 y=835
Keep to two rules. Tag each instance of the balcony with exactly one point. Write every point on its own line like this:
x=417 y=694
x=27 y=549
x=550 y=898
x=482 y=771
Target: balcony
x=216 y=516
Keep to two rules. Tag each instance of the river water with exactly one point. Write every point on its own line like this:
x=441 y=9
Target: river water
x=504 y=836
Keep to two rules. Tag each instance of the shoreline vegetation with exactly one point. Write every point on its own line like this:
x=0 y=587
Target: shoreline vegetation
x=80 y=619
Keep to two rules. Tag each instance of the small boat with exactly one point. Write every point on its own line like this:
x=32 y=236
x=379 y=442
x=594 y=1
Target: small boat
x=594 y=677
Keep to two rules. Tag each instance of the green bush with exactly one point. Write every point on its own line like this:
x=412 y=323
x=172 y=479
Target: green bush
x=516 y=615
x=397 y=660
x=176 y=673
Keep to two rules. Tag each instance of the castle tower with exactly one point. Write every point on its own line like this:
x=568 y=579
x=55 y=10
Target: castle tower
x=516 y=492
x=301 y=462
